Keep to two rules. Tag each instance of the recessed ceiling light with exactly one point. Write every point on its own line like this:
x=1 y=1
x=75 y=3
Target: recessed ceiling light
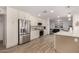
x=69 y=15
x=51 y=11
x=58 y=16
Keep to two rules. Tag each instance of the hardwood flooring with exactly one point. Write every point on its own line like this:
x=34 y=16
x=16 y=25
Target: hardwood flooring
x=45 y=45
x=40 y=45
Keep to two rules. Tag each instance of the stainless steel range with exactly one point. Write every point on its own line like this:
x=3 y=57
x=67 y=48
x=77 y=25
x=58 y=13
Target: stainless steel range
x=24 y=29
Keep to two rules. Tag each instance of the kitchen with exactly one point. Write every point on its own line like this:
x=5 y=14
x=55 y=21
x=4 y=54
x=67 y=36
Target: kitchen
x=12 y=15
x=24 y=24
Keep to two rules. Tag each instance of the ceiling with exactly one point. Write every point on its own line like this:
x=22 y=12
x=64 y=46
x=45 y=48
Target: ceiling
x=44 y=11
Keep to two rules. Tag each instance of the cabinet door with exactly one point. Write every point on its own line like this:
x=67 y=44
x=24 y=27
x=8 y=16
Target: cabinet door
x=22 y=15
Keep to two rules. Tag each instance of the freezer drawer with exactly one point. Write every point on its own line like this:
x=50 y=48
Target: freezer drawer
x=26 y=38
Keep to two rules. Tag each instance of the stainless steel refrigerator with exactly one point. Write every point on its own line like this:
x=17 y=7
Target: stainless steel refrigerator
x=24 y=30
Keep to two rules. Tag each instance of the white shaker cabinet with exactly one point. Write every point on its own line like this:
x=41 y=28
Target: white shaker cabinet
x=21 y=15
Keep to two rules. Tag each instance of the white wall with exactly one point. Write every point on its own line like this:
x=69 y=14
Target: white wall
x=12 y=27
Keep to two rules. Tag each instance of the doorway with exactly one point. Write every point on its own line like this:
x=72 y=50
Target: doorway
x=2 y=31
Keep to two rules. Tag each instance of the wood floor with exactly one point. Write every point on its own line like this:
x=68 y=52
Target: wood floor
x=40 y=45
x=45 y=45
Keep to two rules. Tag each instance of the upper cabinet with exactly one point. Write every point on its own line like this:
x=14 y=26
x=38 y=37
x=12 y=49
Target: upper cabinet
x=21 y=15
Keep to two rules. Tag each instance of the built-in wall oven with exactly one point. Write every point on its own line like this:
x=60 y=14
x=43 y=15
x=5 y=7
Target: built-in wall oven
x=24 y=30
